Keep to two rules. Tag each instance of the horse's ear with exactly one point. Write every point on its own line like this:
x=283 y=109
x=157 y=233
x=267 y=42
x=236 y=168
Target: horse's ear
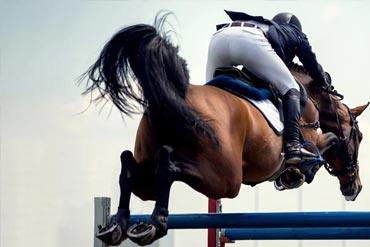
x=359 y=109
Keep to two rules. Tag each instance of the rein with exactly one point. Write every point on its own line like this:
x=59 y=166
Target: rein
x=351 y=159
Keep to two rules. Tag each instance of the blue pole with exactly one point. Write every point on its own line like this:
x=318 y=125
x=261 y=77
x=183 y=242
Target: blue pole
x=264 y=220
x=302 y=233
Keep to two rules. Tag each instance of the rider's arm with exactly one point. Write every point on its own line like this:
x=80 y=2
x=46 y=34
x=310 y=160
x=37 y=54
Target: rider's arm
x=308 y=59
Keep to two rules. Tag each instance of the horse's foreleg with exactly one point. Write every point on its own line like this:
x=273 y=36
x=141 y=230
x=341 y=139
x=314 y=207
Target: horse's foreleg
x=114 y=233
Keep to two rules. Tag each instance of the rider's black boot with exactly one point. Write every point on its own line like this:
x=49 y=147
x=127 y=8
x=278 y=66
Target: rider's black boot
x=294 y=152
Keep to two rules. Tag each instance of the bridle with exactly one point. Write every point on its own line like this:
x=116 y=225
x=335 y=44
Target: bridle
x=351 y=159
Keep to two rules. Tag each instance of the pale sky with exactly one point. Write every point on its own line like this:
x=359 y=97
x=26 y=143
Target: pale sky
x=55 y=157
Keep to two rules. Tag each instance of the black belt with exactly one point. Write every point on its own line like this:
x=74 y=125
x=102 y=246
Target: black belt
x=241 y=24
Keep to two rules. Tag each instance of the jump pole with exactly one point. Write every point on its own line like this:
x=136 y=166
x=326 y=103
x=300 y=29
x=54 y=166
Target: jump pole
x=301 y=233
x=258 y=226
x=334 y=219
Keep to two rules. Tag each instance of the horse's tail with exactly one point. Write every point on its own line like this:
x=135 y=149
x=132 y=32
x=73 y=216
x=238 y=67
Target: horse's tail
x=140 y=53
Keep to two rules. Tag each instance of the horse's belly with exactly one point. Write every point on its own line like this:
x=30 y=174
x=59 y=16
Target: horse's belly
x=262 y=162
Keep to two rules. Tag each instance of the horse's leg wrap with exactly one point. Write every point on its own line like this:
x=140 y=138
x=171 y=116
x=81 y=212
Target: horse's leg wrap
x=159 y=219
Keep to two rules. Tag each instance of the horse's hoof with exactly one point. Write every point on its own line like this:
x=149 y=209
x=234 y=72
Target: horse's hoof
x=141 y=233
x=277 y=185
x=292 y=178
x=111 y=234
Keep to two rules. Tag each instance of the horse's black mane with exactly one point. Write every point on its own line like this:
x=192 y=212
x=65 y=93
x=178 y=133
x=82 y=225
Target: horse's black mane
x=297 y=67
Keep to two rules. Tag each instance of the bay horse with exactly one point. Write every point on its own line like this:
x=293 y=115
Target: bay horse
x=203 y=136
x=336 y=117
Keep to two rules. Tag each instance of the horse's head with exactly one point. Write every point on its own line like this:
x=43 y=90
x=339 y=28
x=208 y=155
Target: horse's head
x=338 y=118
x=342 y=159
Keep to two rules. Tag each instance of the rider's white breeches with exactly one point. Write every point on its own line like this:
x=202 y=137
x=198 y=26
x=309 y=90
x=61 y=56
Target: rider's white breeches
x=249 y=47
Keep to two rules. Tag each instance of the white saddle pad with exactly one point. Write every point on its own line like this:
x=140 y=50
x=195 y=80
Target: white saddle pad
x=271 y=114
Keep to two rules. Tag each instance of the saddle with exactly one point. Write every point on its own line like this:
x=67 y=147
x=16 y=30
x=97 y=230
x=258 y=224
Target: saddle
x=244 y=75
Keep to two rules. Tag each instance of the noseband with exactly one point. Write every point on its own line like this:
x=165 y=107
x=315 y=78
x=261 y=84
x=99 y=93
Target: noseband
x=350 y=159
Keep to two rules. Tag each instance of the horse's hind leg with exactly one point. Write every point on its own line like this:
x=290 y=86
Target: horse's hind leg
x=128 y=173
x=115 y=233
x=144 y=234
x=171 y=166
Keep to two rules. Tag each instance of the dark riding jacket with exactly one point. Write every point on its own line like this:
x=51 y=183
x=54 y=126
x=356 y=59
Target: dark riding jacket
x=287 y=41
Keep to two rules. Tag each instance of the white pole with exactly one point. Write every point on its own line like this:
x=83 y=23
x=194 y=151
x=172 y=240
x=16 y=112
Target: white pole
x=102 y=213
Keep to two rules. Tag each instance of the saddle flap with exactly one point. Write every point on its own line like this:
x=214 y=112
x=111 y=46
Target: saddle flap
x=259 y=97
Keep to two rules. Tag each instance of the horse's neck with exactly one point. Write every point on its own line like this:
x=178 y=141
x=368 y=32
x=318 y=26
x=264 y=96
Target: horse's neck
x=319 y=100
x=323 y=101
x=304 y=77
x=301 y=75
x=310 y=114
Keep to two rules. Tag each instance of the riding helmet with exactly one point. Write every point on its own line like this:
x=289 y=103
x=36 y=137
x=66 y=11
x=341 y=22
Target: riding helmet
x=289 y=18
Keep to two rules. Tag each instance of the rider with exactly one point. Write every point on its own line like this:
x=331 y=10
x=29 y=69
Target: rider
x=265 y=47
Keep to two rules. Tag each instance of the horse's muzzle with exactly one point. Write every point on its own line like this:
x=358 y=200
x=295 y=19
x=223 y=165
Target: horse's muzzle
x=351 y=192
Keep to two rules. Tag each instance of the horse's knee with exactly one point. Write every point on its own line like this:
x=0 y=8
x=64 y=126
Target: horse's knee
x=126 y=153
x=128 y=167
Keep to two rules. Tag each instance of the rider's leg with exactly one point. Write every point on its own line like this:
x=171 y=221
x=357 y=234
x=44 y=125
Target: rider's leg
x=272 y=69
x=249 y=47
x=218 y=53
x=294 y=152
